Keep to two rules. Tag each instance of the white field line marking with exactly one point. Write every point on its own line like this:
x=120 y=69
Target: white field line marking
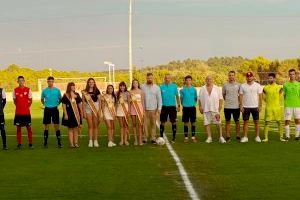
x=184 y=175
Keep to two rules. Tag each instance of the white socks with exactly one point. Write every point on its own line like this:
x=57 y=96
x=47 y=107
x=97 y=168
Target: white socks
x=287 y=131
x=297 y=130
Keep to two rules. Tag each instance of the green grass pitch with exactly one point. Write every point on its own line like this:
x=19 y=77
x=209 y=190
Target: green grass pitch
x=229 y=171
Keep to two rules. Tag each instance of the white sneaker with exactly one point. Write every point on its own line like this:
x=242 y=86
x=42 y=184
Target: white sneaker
x=244 y=140
x=91 y=143
x=257 y=139
x=113 y=144
x=110 y=144
x=222 y=140
x=96 y=144
x=208 y=140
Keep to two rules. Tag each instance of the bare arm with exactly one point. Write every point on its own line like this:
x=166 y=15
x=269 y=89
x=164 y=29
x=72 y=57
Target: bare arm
x=178 y=102
x=65 y=111
x=241 y=96
x=259 y=102
x=220 y=104
x=80 y=108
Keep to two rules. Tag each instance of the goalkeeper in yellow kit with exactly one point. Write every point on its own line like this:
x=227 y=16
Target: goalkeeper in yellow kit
x=273 y=112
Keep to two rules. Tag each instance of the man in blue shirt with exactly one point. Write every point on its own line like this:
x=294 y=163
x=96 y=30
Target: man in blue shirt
x=188 y=97
x=170 y=105
x=51 y=98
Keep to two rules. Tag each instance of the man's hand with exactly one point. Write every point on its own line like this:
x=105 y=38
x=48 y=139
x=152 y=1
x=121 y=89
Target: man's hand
x=178 y=108
x=259 y=109
x=218 y=117
x=201 y=110
x=242 y=109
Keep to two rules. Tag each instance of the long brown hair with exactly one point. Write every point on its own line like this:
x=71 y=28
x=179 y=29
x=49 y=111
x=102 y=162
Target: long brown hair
x=113 y=92
x=68 y=91
x=139 y=87
x=87 y=87
x=119 y=91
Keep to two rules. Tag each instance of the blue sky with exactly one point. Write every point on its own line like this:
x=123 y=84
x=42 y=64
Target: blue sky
x=81 y=35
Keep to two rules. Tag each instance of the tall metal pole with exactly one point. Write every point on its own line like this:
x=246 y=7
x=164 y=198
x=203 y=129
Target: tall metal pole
x=113 y=75
x=109 y=73
x=130 y=41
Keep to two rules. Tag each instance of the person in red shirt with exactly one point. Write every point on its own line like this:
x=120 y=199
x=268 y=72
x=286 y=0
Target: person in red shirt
x=23 y=99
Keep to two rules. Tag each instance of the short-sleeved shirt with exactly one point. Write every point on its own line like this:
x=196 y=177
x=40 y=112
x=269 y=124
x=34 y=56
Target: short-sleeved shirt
x=51 y=96
x=22 y=96
x=168 y=94
x=272 y=95
x=291 y=94
x=231 y=95
x=250 y=94
x=210 y=102
x=188 y=96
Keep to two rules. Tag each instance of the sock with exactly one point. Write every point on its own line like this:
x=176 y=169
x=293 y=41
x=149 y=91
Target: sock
x=193 y=131
x=58 y=137
x=29 y=135
x=266 y=130
x=19 y=135
x=297 y=130
x=46 y=134
x=3 y=135
x=287 y=131
x=161 y=130
x=280 y=129
x=174 y=129
x=186 y=131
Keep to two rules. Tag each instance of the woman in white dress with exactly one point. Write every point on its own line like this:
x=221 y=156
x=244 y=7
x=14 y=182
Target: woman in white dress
x=109 y=113
x=137 y=111
x=123 y=112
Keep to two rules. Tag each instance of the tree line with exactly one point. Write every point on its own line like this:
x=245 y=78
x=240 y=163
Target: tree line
x=197 y=68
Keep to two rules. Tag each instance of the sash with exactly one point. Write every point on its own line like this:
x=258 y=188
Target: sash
x=75 y=109
x=90 y=102
x=136 y=107
x=110 y=106
x=122 y=103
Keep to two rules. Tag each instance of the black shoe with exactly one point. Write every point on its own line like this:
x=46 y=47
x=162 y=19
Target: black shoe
x=227 y=139
x=30 y=146
x=144 y=141
x=296 y=138
x=153 y=141
x=45 y=146
x=5 y=148
x=59 y=145
x=238 y=138
x=19 y=146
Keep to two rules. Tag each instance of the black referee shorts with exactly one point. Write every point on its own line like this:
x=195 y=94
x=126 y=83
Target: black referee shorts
x=51 y=114
x=168 y=111
x=189 y=114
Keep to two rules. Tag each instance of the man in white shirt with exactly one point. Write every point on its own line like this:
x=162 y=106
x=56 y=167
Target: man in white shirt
x=153 y=105
x=251 y=103
x=210 y=105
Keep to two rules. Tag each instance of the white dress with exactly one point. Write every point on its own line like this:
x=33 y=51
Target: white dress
x=107 y=114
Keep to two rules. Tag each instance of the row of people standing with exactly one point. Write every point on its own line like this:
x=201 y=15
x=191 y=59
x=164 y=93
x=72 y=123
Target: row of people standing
x=144 y=104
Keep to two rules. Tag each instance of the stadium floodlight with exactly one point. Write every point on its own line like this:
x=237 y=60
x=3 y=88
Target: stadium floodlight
x=110 y=65
x=130 y=40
